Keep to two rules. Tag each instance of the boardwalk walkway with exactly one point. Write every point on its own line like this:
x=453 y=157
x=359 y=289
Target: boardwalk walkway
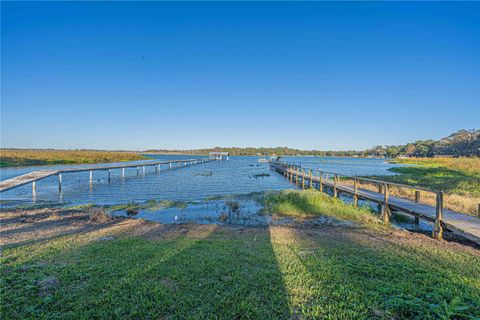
x=34 y=176
x=462 y=224
x=25 y=179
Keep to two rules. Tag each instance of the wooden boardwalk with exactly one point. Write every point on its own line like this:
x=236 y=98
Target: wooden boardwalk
x=25 y=179
x=35 y=176
x=462 y=224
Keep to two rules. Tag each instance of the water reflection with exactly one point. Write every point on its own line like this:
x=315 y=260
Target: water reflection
x=240 y=175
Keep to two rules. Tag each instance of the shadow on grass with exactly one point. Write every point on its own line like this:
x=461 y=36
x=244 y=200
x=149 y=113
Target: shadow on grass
x=206 y=272
x=216 y=274
x=350 y=276
x=436 y=178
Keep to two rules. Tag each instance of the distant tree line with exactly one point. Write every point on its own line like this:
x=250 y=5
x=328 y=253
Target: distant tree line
x=461 y=143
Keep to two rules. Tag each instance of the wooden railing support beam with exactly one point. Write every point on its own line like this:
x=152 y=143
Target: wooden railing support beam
x=417 y=199
x=355 y=192
x=335 y=181
x=438 y=227
x=386 y=212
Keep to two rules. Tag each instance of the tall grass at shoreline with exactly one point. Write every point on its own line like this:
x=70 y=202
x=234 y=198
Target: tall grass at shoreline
x=460 y=164
x=311 y=203
x=459 y=178
x=23 y=157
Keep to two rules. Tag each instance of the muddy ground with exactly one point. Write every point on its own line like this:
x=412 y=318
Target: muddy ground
x=23 y=227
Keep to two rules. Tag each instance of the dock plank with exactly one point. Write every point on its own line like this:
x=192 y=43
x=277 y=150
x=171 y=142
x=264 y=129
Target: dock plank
x=460 y=223
x=41 y=174
x=25 y=179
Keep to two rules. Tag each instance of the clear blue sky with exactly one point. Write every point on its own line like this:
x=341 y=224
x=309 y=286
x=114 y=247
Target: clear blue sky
x=122 y=75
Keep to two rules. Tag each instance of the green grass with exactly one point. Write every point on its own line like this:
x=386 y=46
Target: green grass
x=471 y=164
x=459 y=178
x=310 y=203
x=454 y=175
x=437 y=178
x=258 y=274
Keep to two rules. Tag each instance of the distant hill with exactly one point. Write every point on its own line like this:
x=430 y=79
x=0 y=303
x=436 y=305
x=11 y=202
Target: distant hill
x=461 y=143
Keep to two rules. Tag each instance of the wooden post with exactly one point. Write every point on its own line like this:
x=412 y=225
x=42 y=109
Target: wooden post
x=385 y=216
x=108 y=175
x=59 y=182
x=320 y=187
x=291 y=173
x=380 y=190
x=91 y=177
x=303 y=178
x=143 y=170
x=335 y=180
x=34 y=189
x=138 y=170
x=417 y=199
x=123 y=172
x=296 y=176
x=311 y=180
x=438 y=227
x=170 y=165
x=355 y=192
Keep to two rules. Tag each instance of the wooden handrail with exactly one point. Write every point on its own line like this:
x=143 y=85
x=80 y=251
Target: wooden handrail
x=381 y=182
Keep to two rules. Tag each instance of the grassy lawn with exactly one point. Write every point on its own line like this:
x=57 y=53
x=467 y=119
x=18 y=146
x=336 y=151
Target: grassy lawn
x=23 y=157
x=459 y=178
x=139 y=270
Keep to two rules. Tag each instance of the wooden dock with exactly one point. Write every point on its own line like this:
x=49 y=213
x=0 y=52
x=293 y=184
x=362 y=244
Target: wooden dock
x=462 y=224
x=35 y=176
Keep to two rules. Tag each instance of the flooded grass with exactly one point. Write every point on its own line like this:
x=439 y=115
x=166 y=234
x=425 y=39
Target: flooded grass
x=261 y=175
x=204 y=174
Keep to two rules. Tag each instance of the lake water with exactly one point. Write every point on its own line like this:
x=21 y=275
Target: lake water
x=200 y=187
x=239 y=175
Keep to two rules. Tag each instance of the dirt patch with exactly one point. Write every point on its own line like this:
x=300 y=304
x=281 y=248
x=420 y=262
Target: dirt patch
x=20 y=227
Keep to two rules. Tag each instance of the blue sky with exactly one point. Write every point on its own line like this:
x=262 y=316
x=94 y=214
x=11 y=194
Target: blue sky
x=313 y=75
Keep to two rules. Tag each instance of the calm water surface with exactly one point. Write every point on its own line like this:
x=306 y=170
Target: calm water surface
x=194 y=183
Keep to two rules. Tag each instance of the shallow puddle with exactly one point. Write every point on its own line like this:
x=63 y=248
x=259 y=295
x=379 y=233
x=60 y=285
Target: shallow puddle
x=233 y=211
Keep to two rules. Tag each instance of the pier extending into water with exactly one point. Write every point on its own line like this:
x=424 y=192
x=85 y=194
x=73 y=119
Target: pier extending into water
x=35 y=176
x=462 y=224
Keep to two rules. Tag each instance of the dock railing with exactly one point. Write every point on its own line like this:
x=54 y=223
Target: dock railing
x=35 y=176
x=324 y=178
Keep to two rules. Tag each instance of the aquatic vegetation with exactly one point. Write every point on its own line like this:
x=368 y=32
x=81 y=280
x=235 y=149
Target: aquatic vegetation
x=151 y=205
x=204 y=174
x=261 y=175
x=98 y=215
x=311 y=203
x=23 y=157
x=233 y=205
